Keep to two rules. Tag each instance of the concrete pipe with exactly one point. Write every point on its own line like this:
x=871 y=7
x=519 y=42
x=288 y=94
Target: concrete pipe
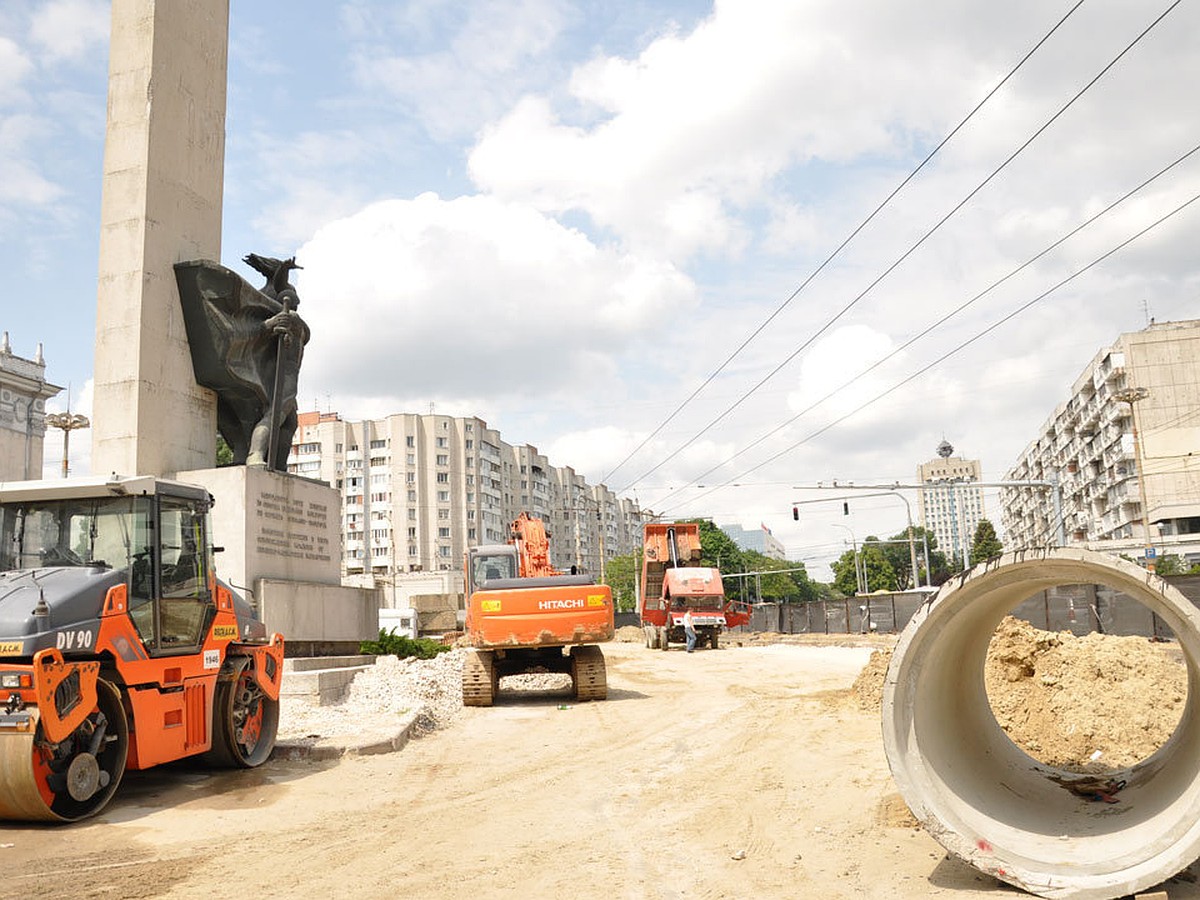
x=989 y=803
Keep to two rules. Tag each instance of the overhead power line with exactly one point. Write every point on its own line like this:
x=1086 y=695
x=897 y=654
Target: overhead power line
x=929 y=233
x=828 y=259
x=954 y=312
x=957 y=349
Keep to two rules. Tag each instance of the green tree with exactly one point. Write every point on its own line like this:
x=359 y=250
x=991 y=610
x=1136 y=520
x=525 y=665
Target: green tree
x=224 y=452
x=879 y=573
x=985 y=544
x=783 y=587
x=1170 y=564
x=621 y=573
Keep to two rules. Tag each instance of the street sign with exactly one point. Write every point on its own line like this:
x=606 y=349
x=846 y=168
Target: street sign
x=1151 y=553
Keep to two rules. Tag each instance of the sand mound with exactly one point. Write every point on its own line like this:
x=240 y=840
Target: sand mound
x=1090 y=704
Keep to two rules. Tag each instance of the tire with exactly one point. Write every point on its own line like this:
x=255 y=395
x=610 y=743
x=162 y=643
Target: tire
x=245 y=719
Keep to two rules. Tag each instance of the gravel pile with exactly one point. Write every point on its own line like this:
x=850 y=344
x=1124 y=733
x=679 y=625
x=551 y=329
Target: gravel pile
x=380 y=695
x=394 y=688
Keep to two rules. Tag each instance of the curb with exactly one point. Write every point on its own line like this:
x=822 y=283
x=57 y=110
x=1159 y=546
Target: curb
x=326 y=748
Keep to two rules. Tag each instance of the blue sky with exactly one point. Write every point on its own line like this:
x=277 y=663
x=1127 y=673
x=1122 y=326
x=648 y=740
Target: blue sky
x=565 y=216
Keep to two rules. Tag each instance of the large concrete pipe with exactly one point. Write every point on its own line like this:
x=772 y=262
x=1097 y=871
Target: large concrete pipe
x=988 y=802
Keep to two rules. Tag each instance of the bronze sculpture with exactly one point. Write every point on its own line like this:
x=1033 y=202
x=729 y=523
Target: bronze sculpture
x=247 y=345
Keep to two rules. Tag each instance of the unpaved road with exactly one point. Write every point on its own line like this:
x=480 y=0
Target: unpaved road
x=739 y=773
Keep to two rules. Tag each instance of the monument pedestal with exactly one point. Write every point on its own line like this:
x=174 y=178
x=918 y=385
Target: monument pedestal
x=281 y=536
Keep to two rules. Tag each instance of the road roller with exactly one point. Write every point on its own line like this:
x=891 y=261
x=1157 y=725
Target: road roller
x=119 y=647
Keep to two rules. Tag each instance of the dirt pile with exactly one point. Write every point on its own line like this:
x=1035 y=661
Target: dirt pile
x=1089 y=704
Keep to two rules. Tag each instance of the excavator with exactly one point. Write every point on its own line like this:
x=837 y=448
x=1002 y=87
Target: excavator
x=525 y=615
x=119 y=648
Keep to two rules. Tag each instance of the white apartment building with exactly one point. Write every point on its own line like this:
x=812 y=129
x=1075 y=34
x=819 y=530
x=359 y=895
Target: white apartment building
x=23 y=395
x=418 y=490
x=1088 y=444
x=951 y=502
x=758 y=539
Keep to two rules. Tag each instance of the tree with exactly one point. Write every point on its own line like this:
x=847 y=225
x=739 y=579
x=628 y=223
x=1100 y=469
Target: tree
x=224 y=452
x=1170 y=564
x=880 y=575
x=621 y=573
x=784 y=587
x=985 y=544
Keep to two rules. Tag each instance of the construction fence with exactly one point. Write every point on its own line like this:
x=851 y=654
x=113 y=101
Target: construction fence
x=1080 y=609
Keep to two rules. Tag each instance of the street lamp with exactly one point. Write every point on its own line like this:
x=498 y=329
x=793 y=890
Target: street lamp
x=1131 y=396
x=860 y=575
x=68 y=422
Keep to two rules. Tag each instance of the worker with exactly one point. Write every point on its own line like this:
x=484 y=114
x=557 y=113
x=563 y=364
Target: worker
x=689 y=631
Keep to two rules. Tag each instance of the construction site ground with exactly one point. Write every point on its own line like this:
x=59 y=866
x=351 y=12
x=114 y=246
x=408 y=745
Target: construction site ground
x=752 y=771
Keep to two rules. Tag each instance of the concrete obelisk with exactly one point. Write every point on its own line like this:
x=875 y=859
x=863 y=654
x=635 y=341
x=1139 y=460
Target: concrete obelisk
x=164 y=165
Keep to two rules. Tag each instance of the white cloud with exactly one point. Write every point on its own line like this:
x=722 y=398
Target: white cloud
x=494 y=52
x=450 y=299
x=68 y=29
x=14 y=66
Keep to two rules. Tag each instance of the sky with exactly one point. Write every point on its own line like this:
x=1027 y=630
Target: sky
x=662 y=241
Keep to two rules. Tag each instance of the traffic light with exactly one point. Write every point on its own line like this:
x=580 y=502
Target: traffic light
x=845 y=508
x=796 y=513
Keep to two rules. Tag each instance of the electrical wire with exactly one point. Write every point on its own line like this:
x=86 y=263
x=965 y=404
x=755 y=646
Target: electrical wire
x=950 y=315
x=957 y=349
x=929 y=233
x=828 y=259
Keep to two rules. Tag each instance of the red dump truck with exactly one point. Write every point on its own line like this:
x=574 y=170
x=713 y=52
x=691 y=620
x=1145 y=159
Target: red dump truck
x=674 y=581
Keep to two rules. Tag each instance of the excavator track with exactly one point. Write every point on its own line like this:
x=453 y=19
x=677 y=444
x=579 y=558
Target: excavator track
x=479 y=678
x=587 y=673
x=70 y=780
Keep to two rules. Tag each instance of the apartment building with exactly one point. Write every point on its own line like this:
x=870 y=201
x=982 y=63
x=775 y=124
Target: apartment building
x=950 y=502
x=1139 y=397
x=23 y=395
x=418 y=490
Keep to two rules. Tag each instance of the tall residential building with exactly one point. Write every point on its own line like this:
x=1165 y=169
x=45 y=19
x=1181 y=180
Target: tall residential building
x=1147 y=380
x=418 y=490
x=758 y=539
x=951 y=502
x=23 y=395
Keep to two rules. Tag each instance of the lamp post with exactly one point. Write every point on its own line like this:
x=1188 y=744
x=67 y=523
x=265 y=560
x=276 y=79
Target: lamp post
x=1131 y=396
x=860 y=575
x=68 y=422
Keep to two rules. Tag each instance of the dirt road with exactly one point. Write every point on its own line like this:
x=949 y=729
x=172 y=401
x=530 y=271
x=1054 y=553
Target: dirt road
x=739 y=773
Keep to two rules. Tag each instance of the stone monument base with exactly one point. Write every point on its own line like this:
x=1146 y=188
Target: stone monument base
x=281 y=536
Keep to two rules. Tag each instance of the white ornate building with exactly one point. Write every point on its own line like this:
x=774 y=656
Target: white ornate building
x=23 y=395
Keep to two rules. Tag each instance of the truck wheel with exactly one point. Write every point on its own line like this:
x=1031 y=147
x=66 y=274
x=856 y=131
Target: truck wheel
x=245 y=720
x=587 y=673
x=479 y=678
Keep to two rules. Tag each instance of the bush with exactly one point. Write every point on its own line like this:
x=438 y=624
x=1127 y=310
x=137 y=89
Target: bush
x=401 y=645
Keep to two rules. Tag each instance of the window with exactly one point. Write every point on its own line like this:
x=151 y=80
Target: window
x=470 y=497
x=443 y=551
x=443 y=496
x=378 y=445
x=470 y=534
x=443 y=443
x=409 y=442
x=443 y=514
x=410 y=478
x=412 y=498
x=337 y=448
x=470 y=444
x=378 y=461
x=443 y=477
x=443 y=459
x=412 y=533
x=443 y=532
x=412 y=515
x=411 y=459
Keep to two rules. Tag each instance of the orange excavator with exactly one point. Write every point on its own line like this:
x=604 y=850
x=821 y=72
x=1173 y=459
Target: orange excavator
x=524 y=615
x=119 y=648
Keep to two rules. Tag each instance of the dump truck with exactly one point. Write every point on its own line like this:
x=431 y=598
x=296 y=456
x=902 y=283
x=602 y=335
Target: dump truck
x=524 y=615
x=674 y=581
x=119 y=648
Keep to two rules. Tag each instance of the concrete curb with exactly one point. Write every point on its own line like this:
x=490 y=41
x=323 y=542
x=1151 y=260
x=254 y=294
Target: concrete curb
x=326 y=748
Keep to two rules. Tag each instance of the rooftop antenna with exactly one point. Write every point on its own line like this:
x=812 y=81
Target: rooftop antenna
x=1146 y=311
